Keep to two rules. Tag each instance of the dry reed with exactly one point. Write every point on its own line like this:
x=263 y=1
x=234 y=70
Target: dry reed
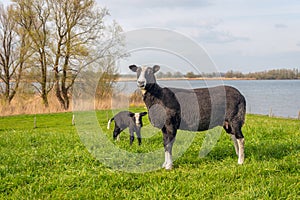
x=33 y=104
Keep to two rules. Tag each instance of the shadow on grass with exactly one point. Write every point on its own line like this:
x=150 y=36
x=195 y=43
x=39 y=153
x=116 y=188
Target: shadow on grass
x=265 y=151
x=260 y=152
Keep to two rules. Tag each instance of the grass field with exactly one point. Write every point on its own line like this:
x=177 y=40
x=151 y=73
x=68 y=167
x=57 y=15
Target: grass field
x=51 y=162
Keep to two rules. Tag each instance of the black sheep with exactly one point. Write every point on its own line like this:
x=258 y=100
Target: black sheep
x=196 y=110
x=126 y=119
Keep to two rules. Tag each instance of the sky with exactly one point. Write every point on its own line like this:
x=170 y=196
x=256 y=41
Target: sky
x=239 y=35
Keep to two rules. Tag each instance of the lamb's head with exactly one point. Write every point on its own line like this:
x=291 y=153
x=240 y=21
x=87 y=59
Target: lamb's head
x=137 y=118
x=145 y=75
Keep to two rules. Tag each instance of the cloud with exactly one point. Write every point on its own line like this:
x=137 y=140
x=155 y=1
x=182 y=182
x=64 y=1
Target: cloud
x=280 y=26
x=188 y=21
x=133 y=14
x=221 y=37
x=249 y=28
x=137 y=4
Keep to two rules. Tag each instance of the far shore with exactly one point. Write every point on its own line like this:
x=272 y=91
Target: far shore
x=125 y=79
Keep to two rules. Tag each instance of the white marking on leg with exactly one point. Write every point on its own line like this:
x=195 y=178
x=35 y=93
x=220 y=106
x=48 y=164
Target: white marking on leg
x=165 y=163
x=169 y=163
x=168 y=157
x=241 y=150
x=236 y=147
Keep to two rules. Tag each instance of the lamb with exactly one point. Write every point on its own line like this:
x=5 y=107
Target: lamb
x=126 y=119
x=195 y=110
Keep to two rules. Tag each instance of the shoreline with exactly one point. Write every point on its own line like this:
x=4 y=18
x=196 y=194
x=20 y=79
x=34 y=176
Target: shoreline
x=124 y=79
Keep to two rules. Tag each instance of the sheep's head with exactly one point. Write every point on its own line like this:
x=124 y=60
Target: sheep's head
x=145 y=75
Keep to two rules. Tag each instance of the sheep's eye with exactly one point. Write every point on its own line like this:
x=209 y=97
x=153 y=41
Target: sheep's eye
x=148 y=72
x=138 y=73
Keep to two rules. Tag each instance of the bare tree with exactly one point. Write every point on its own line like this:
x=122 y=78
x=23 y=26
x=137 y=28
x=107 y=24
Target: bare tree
x=66 y=36
x=33 y=16
x=13 y=53
x=79 y=26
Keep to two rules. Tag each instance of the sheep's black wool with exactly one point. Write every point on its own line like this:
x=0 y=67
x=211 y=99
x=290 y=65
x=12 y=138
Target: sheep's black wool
x=196 y=110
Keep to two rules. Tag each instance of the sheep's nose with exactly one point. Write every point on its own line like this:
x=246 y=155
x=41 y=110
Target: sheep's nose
x=141 y=83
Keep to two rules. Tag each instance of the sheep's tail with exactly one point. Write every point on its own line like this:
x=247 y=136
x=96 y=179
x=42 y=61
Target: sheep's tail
x=239 y=117
x=242 y=110
x=109 y=122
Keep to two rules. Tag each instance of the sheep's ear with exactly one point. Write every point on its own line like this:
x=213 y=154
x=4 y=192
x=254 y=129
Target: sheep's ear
x=133 y=68
x=143 y=114
x=130 y=114
x=156 y=68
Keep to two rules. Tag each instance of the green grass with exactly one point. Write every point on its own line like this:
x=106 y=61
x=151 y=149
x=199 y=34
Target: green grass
x=51 y=162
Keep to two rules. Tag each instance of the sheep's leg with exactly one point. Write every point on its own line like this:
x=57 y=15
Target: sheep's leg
x=168 y=157
x=241 y=150
x=240 y=143
x=168 y=164
x=236 y=147
x=169 y=138
x=165 y=163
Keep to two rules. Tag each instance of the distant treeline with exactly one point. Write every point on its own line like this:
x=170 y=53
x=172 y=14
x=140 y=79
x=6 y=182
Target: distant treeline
x=268 y=74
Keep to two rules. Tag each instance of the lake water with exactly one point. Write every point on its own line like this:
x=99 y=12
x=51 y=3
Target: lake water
x=281 y=97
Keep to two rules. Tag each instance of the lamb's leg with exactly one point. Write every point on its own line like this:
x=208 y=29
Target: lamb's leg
x=139 y=137
x=131 y=136
x=241 y=150
x=236 y=147
x=116 y=134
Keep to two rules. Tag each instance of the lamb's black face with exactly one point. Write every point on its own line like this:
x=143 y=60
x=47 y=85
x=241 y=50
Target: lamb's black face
x=137 y=118
x=145 y=75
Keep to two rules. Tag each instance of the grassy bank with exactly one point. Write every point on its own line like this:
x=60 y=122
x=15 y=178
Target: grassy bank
x=50 y=162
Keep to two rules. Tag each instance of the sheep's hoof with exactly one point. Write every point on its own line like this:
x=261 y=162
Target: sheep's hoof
x=240 y=161
x=167 y=166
